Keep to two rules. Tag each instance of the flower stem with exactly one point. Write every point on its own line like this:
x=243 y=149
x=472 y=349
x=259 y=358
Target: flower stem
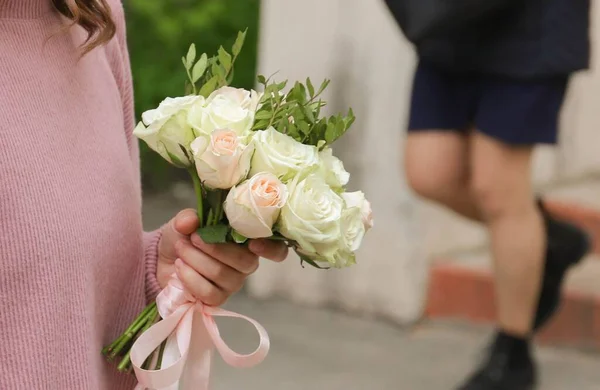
x=110 y=351
x=134 y=329
x=150 y=320
x=198 y=191
x=124 y=364
x=160 y=354
x=219 y=210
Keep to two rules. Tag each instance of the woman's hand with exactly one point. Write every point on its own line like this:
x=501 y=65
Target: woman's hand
x=210 y=272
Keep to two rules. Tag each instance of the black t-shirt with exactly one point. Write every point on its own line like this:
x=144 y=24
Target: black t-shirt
x=527 y=39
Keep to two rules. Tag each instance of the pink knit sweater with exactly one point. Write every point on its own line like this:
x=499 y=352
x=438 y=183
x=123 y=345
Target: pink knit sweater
x=75 y=266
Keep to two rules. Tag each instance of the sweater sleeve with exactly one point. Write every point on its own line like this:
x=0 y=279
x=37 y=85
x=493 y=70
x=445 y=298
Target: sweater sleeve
x=151 y=240
x=119 y=58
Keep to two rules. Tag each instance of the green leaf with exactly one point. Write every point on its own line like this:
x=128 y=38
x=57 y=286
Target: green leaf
x=199 y=68
x=305 y=259
x=297 y=94
x=224 y=58
x=309 y=114
x=336 y=127
x=323 y=86
x=301 y=91
x=281 y=85
x=261 y=79
x=350 y=118
x=175 y=160
x=230 y=76
x=184 y=63
x=239 y=43
x=218 y=70
x=189 y=89
x=271 y=91
x=330 y=132
x=263 y=114
x=215 y=234
x=261 y=124
x=209 y=87
x=191 y=56
x=311 y=88
x=292 y=130
x=237 y=237
x=304 y=128
x=320 y=104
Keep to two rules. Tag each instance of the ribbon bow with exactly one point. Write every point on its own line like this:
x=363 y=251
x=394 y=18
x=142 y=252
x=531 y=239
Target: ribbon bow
x=192 y=334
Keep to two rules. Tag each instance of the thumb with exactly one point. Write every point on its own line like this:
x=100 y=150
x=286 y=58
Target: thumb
x=185 y=222
x=180 y=227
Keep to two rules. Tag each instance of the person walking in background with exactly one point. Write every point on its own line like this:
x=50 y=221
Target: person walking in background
x=489 y=86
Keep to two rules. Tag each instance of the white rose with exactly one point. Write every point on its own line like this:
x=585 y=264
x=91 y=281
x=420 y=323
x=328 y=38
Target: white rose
x=357 y=199
x=333 y=169
x=248 y=100
x=341 y=253
x=222 y=160
x=312 y=216
x=253 y=206
x=353 y=228
x=222 y=111
x=281 y=155
x=166 y=130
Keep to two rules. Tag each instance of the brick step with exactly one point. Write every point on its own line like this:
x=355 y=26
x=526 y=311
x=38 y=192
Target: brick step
x=461 y=287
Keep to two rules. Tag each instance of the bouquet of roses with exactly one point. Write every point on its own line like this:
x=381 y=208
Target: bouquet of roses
x=262 y=167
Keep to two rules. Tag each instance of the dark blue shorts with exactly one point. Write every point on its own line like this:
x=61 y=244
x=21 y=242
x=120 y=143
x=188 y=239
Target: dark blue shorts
x=513 y=111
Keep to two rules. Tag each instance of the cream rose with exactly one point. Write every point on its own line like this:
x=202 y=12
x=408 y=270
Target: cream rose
x=253 y=206
x=248 y=100
x=222 y=160
x=312 y=216
x=281 y=155
x=332 y=169
x=166 y=130
x=225 y=110
x=357 y=199
x=353 y=228
x=340 y=253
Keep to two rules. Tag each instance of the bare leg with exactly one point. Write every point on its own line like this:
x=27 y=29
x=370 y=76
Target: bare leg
x=502 y=188
x=437 y=168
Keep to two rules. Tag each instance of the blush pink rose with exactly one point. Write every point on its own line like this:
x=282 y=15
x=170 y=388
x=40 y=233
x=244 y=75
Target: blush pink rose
x=222 y=160
x=253 y=207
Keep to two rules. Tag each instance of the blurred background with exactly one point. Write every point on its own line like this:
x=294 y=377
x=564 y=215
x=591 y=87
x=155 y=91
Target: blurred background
x=422 y=289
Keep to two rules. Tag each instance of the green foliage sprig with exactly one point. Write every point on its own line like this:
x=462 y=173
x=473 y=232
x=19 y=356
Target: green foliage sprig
x=210 y=74
x=297 y=113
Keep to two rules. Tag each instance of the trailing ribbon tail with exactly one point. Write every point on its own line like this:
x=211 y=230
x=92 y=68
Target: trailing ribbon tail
x=197 y=335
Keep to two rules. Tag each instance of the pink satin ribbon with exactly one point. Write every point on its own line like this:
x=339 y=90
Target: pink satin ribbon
x=195 y=334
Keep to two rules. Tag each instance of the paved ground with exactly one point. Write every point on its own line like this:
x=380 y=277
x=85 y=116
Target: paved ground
x=325 y=350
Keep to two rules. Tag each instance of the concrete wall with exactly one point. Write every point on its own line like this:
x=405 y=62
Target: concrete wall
x=356 y=44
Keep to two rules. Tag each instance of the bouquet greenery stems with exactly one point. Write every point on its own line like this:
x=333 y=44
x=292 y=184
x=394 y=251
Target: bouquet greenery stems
x=121 y=346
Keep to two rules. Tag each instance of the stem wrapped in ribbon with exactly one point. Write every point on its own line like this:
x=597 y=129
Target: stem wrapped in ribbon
x=192 y=334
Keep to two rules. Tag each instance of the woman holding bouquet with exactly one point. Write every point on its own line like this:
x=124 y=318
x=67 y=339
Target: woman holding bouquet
x=75 y=266
x=486 y=91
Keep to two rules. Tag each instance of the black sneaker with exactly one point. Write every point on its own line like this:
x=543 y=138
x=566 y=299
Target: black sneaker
x=505 y=369
x=567 y=245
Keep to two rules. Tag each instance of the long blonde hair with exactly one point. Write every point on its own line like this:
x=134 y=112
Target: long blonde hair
x=94 y=16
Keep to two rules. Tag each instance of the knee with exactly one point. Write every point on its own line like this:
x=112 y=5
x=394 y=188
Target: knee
x=495 y=200
x=432 y=185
